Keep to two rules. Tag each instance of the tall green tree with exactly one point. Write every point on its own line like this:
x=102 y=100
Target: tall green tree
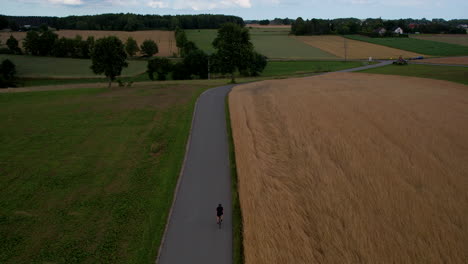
x=131 y=47
x=31 y=43
x=234 y=50
x=13 y=45
x=108 y=57
x=149 y=48
x=46 y=42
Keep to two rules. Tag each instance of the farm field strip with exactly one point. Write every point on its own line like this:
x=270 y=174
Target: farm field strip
x=431 y=48
x=271 y=42
x=458 y=39
x=164 y=39
x=35 y=66
x=354 y=49
x=451 y=60
x=352 y=167
x=448 y=73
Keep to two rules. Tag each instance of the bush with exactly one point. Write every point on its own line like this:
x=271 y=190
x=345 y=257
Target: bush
x=7 y=74
x=12 y=44
x=180 y=72
x=161 y=66
x=5 y=51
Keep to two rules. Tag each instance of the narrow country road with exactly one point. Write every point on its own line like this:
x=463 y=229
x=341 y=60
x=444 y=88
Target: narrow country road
x=192 y=235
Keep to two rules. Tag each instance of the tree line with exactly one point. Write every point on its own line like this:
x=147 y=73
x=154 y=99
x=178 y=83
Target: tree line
x=370 y=25
x=122 y=22
x=47 y=43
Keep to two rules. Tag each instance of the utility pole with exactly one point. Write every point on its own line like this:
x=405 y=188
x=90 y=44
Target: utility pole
x=209 y=68
x=345 y=49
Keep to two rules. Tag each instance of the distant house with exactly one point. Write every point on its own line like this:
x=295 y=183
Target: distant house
x=412 y=26
x=464 y=26
x=398 y=30
x=380 y=31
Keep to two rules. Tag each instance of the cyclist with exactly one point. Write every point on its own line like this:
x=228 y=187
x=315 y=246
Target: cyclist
x=219 y=214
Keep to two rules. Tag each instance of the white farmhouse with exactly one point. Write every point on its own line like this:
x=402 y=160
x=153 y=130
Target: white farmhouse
x=398 y=30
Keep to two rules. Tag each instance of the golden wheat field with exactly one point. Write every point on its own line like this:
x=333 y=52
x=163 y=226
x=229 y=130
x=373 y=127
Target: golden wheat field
x=352 y=168
x=164 y=39
x=355 y=49
x=450 y=60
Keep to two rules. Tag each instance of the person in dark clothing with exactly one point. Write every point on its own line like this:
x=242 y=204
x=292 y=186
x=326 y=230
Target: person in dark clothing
x=219 y=213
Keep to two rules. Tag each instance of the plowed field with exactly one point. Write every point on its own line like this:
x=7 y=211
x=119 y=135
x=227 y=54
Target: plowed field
x=352 y=168
x=164 y=39
x=355 y=49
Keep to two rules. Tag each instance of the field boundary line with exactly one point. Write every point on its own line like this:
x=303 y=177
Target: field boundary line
x=181 y=173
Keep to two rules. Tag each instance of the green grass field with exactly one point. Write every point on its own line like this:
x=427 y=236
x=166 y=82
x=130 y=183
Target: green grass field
x=427 y=47
x=273 y=43
x=448 y=73
x=87 y=175
x=35 y=66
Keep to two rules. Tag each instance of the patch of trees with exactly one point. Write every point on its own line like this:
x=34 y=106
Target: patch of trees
x=234 y=53
x=128 y=22
x=276 y=21
x=7 y=74
x=371 y=25
x=47 y=43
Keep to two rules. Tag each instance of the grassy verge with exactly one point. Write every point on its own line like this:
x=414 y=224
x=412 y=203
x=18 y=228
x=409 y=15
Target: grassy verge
x=237 y=241
x=46 y=67
x=448 y=73
x=273 y=69
x=87 y=175
x=427 y=47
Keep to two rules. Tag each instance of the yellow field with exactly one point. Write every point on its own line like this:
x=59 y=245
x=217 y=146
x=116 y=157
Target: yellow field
x=164 y=39
x=355 y=49
x=447 y=38
x=352 y=168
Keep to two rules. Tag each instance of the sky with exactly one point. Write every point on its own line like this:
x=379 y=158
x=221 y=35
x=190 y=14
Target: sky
x=247 y=9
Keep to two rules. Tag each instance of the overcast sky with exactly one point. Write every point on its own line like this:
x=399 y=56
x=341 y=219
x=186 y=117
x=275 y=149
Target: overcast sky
x=247 y=9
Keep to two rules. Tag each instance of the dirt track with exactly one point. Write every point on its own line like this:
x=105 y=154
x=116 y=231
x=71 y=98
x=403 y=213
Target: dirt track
x=352 y=168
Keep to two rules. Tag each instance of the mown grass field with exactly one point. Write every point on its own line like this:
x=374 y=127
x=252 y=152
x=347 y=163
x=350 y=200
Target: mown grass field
x=35 y=66
x=87 y=175
x=427 y=47
x=352 y=168
x=459 y=39
x=271 y=42
x=164 y=39
x=448 y=73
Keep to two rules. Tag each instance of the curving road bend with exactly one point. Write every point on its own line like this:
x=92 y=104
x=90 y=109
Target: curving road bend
x=192 y=235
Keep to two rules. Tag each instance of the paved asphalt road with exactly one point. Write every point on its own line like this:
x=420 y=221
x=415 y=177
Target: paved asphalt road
x=192 y=235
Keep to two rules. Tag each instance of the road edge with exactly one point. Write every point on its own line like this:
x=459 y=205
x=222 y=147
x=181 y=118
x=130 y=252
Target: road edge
x=181 y=173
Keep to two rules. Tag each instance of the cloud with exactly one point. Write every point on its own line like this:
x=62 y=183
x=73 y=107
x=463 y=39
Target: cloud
x=199 y=5
x=157 y=4
x=66 y=2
